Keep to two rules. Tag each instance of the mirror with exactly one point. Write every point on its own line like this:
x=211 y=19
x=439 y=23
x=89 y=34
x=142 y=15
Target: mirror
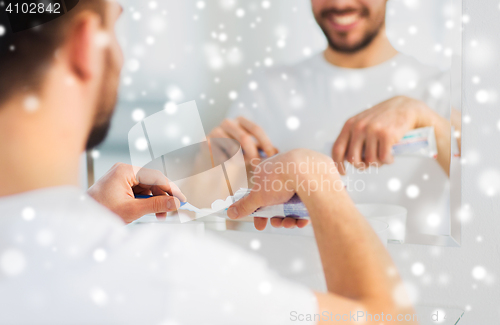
x=431 y=32
x=264 y=60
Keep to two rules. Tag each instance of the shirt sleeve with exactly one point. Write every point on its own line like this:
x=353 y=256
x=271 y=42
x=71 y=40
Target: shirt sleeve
x=222 y=284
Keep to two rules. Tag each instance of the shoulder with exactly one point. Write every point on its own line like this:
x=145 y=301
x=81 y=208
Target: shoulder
x=59 y=218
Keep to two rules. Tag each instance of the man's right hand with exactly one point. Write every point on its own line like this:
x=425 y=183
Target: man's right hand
x=274 y=184
x=250 y=136
x=355 y=263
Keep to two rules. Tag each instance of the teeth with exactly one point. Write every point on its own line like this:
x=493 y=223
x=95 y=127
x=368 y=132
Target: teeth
x=345 y=19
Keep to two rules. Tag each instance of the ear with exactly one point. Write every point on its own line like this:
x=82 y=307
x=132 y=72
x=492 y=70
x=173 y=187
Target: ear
x=84 y=53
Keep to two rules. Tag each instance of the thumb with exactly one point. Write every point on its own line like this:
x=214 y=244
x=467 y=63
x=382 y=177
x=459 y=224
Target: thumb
x=245 y=206
x=157 y=204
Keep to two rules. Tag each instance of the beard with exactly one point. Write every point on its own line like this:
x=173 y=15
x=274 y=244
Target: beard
x=98 y=135
x=342 y=47
x=105 y=107
x=349 y=49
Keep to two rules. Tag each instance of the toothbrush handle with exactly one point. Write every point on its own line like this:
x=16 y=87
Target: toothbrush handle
x=139 y=196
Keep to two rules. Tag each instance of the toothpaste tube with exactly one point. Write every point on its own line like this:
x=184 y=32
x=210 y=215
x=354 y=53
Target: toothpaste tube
x=294 y=208
x=419 y=142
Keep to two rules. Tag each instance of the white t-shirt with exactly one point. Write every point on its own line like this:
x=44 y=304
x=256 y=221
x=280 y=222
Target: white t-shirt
x=307 y=104
x=65 y=259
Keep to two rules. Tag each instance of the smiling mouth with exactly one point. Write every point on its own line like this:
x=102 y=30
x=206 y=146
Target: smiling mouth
x=345 y=19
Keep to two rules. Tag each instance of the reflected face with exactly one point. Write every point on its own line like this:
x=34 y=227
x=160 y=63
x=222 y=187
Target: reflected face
x=109 y=81
x=349 y=25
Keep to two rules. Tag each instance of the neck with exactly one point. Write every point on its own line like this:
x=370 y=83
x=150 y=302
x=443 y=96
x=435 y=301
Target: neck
x=377 y=52
x=39 y=149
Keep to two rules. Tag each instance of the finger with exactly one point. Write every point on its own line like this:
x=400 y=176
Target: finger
x=371 y=150
x=223 y=141
x=301 y=223
x=218 y=132
x=170 y=189
x=176 y=191
x=386 y=141
x=157 y=204
x=259 y=134
x=216 y=150
x=151 y=178
x=147 y=178
x=289 y=223
x=385 y=150
x=340 y=147
x=244 y=138
x=157 y=191
x=277 y=222
x=355 y=150
x=161 y=216
x=245 y=206
x=260 y=223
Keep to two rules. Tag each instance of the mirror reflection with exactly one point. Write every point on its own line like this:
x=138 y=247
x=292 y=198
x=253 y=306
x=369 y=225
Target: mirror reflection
x=373 y=84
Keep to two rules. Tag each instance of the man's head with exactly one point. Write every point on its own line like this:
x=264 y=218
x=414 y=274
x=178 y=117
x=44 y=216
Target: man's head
x=77 y=53
x=350 y=25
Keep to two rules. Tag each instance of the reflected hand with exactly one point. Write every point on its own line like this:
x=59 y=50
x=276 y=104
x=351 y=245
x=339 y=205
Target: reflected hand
x=367 y=138
x=250 y=136
x=117 y=189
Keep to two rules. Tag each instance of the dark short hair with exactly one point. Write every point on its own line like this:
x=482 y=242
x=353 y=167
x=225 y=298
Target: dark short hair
x=25 y=56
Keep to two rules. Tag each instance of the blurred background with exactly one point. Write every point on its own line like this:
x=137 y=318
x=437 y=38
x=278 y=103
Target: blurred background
x=178 y=51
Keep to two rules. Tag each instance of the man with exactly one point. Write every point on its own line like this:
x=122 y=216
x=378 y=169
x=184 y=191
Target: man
x=354 y=101
x=66 y=259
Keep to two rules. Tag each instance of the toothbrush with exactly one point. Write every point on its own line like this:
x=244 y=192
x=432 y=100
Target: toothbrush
x=184 y=205
x=294 y=208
